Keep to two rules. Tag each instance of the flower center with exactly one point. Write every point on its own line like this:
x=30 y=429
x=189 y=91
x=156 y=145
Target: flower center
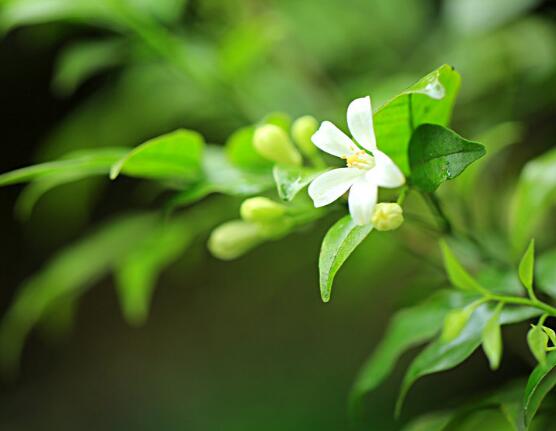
x=360 y=160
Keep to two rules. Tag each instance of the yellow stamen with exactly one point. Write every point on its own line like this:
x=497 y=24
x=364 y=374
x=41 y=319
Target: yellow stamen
x=357 y=160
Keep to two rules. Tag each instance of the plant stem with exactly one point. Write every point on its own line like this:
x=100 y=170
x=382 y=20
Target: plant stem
x=535 y=303
x=436 y=208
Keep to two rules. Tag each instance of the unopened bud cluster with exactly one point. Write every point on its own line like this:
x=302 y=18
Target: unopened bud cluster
x=261 y=219
x=274 y=143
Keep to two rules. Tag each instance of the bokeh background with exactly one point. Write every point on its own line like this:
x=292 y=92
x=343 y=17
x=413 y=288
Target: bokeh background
x=243 y=345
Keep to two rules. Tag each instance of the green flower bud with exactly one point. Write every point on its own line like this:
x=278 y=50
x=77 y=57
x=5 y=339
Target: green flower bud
x=302 y=130
x=454 y=323
x=274 y=144
x=387 y=216
x=261 y=210
x=233 y=239
x=276 y=229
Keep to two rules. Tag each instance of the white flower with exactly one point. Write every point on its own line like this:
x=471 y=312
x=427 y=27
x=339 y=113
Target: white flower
x=364 y=173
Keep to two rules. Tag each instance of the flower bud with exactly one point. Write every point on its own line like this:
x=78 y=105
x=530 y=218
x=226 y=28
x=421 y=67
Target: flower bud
x=302 y=130
x=387 y=216
x=274 y=144
x=276 y=229
x=261 y=210
x=233 y=239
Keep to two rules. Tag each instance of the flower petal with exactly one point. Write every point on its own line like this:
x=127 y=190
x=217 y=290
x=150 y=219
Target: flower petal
x=360 y=122
x=386 y=173
x=362 y=200
x=329 y=186
x=333 y=141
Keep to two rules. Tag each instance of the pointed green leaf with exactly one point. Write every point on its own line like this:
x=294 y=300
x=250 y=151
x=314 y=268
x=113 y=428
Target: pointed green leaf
x=79 y=164
x=82 y=60
x=551 y=334
x=546 y=273
x=175 y=156
x=74 y=269
x=338 y=243
x=457 y=274
x=429 y=101
x=492 y=339
x=533 y=198
x=541 y=381
x=454 y=323
x=438 y=154
x=408 y=328
x=439 y=356
x=527 y=265
x=290 y=180
x=538 y=342
x=137 y=273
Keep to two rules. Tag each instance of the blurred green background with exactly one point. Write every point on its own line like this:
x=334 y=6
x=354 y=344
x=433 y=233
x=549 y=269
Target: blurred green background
x=243 y=345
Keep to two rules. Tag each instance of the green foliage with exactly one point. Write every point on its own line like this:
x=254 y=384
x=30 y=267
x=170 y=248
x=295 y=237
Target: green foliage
x=437 y=154
x=68 y=274
x=137 y=272
x=527 y=267
x=546 y=273
x=457 y=274
x=455 y=322
x=535 y=194
x=492 y=339
x=220 y=77
x=429 y=101
x=339 y=242
x=439 y=356
x=85 y=59
x=175 y=157
x=290 y=180
x=409 y=328
x=498 y=411
x=537 y=340
x=541 y=381
x=79 y=164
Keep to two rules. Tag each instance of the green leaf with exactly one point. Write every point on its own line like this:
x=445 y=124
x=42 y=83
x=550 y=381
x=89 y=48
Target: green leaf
x=82 y=60
x=541 y=381
x=242 y=153
x=290 y=180
x=430 y=422
x=438 y=154
x=27 y=12
x=408 y=328
x=457 y=274
x=537 y=340
x=226 y=178
x=114 y=15
x=527 y=266
x=429 y=101
x=176 y=156
x=220 y=176
x=551 y=334
x=546 y=273
x=68 y=273
x=534 y=196
x=439 y=356
x=136 y=274
x=338 y=243
x=455 y=322
x=79 y=164
x=492 y=339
